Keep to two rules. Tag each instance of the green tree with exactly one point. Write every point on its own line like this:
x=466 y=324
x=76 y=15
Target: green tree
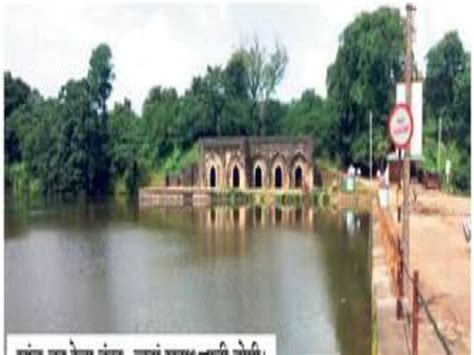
x=159 y=111
x=237 y=81
x=75 y=166
x=100 y=77
x=309 y=116
x=17 y=93
x=123 y=147
x=362 y=78
x=211 y=95
x=218 y=102
x=447 y=97
x=36 y=125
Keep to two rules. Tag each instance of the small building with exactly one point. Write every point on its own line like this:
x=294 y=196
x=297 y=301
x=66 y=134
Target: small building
x=270 y=162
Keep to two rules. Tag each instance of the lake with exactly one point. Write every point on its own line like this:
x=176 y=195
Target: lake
x=301 y=273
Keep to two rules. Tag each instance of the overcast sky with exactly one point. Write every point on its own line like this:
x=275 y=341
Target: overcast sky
x=160 y=44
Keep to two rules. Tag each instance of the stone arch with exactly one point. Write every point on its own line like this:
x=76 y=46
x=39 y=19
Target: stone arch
x=278 y=177
x=300 y=171
x=235 y=177
x=257 y=181
x=213 y=177
x=214 y=163
x=235 y=168
x=259 y=173
x=298 y=177
x=279 y=172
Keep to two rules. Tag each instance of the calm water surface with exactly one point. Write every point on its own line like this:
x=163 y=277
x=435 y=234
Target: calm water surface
x=300 y=273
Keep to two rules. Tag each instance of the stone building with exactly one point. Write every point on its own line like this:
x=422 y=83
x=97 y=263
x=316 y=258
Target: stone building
x=255 y=162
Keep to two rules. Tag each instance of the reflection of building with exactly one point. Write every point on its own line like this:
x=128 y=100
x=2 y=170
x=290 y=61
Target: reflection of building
x=255 y=162
x=222 y=218
x=238 y=219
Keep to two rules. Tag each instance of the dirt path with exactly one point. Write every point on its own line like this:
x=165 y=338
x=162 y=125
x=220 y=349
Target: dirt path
x=440 y=253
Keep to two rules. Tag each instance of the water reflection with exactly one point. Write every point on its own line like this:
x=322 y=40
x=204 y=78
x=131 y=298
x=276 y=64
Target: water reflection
x=298 y=272
x=242 y=218
x=352 y=224
x=258 y=215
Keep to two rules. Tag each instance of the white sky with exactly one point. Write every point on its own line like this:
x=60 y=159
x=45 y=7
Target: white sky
x=163 y=44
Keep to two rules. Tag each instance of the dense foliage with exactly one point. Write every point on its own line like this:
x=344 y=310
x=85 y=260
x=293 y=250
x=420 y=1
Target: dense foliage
x=368 y=63
x=75 y=144
x=63 y=142
x=447 y=105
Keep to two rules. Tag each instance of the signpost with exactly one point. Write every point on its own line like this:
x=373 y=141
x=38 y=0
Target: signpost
x=400 y=126
x=400 y=129
x=409 y=31
x=416 y=108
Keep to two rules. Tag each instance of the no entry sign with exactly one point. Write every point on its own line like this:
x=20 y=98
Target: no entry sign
x=400 y=126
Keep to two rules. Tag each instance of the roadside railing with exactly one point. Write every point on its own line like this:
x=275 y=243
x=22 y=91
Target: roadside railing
x=410 y=315
x=413 y=319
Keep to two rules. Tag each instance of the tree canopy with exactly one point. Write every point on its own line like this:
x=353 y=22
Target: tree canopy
x=447 y=97
x=64 y=140
x=368 y=63
x=76 y=144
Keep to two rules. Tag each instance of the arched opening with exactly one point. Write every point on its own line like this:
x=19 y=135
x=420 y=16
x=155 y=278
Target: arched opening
x=298 y=177
x=235 y=177
x=258 y=177
x=278 y=177
x=212 y=177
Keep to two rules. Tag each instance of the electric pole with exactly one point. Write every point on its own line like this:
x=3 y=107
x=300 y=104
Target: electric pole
x=440 y=124
x=370 y=152
x=409 y=29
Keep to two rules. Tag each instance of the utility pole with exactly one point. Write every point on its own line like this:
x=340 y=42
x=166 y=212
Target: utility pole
x=440 y=123
x=409 y=29
x=370 y=143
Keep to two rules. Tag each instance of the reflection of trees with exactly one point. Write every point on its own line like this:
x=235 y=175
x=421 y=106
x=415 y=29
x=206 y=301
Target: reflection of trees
x=80 y=216
x=15 y=224
x=348 y=281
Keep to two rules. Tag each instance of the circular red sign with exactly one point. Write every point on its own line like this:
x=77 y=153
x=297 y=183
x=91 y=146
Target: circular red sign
x=400 y=126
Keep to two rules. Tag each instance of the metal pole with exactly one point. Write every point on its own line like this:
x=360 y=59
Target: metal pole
x=370 y=153
x=399 y=185
x=415 y=315
x=406 y=160
x=399 y=281
x=440 y=123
